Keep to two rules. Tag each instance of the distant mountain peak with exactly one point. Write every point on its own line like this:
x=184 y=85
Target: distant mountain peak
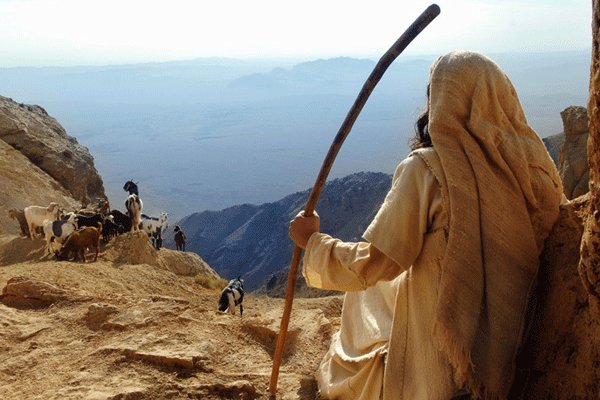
x=252 y=241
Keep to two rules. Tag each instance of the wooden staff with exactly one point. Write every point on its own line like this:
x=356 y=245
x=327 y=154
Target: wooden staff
x=384 y=62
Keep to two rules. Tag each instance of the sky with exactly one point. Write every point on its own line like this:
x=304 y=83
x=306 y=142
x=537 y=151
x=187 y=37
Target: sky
x=90 y=32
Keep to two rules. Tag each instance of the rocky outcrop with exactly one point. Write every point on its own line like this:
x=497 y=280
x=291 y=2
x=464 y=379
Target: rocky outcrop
x=23 y=184
x=22 y=292
x=573 y=160
x=560 y=358
x=39 y=137
x=553 y=143
x=252 y=240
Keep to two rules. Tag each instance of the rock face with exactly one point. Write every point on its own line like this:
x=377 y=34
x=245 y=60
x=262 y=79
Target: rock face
x=23 y=184
x=135 y=248
x=39 y=137
x=553 y=144
x=560 y=359
x=252 y=240
x=573 y=159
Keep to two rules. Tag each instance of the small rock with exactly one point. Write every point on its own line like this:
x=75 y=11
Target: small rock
x=21 y=292
x=98 y=314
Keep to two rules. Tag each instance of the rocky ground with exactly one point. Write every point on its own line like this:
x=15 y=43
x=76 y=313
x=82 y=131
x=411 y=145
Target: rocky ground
x=120 y=328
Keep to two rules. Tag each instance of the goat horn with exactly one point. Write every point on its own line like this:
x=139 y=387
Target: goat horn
x=384 y=62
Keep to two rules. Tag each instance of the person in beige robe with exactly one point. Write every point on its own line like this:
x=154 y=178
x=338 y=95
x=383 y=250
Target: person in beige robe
x=437 y=295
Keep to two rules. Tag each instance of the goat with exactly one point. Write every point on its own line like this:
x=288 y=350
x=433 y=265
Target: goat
x=180 y=238
x=110 y=229
x=121 y=220
x=134 y=207
x=131 y=187
x=88 y=220
x=19 y=216
x=154 y=226
x=157 y=240
x=100 y=207
x=231 y=296
x=79 y=241
x=37 y=215
x=58 y=231
x=103 y=208
x=133 y=204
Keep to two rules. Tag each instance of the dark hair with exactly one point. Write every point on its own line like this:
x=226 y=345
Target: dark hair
x=421 y=138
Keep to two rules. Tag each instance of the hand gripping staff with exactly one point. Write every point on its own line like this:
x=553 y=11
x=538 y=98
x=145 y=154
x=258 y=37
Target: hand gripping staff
x=384 y=62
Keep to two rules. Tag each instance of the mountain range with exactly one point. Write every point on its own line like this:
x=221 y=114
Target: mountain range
x=209 y=134
x=252 y=241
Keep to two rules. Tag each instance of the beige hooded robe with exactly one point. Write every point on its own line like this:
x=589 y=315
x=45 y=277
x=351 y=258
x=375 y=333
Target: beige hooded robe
x=466 y=220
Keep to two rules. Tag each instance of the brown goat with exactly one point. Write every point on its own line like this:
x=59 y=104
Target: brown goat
x=19 y=216
x=79 y=241
x=180 y=238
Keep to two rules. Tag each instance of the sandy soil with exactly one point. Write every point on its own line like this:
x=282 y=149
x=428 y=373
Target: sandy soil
x=112 y=330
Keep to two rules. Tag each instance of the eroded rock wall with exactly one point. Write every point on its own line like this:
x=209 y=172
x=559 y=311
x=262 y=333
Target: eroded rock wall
x=573 y=159
x=39 y=137
x=561 y=359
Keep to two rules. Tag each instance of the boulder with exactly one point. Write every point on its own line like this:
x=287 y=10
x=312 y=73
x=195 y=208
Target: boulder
x=21 y=292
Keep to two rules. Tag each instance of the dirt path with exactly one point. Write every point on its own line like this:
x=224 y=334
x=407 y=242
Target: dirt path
x=99 y=331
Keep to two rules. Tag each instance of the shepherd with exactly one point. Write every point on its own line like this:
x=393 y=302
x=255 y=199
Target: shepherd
x=438 y=292
x=382 y=65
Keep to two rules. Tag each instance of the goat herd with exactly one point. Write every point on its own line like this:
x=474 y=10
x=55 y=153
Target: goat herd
x=71 y=234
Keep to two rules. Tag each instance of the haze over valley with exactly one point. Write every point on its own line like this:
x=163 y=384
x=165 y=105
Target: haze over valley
x=212 y=133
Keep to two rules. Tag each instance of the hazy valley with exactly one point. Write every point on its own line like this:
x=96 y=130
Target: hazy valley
x=213 y=133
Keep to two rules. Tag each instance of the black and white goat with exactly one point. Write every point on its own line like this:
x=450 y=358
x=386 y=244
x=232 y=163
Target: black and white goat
x=134 y=205
x=154 y=228
x=232 y=296
x=58 y=231
x=122 y=220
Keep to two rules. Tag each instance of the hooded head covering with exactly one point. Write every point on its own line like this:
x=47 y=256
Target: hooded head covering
x=503 y=193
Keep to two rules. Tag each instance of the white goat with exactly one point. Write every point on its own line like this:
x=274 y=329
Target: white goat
x=36 y=215
x=153 y=225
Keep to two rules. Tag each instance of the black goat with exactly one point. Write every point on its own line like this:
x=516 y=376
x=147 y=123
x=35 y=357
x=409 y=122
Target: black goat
x=122 y=220
x=83 y=220
x=180 y=238
x=110 y=229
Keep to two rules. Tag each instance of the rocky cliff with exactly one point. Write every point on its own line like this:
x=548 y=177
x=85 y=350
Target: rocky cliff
x=573 y=159
x=252 y=240
x=138 y=323
x=568 y=149
x=45 y=143
x=24 y=184
x=553 y=144
x=561 y=358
